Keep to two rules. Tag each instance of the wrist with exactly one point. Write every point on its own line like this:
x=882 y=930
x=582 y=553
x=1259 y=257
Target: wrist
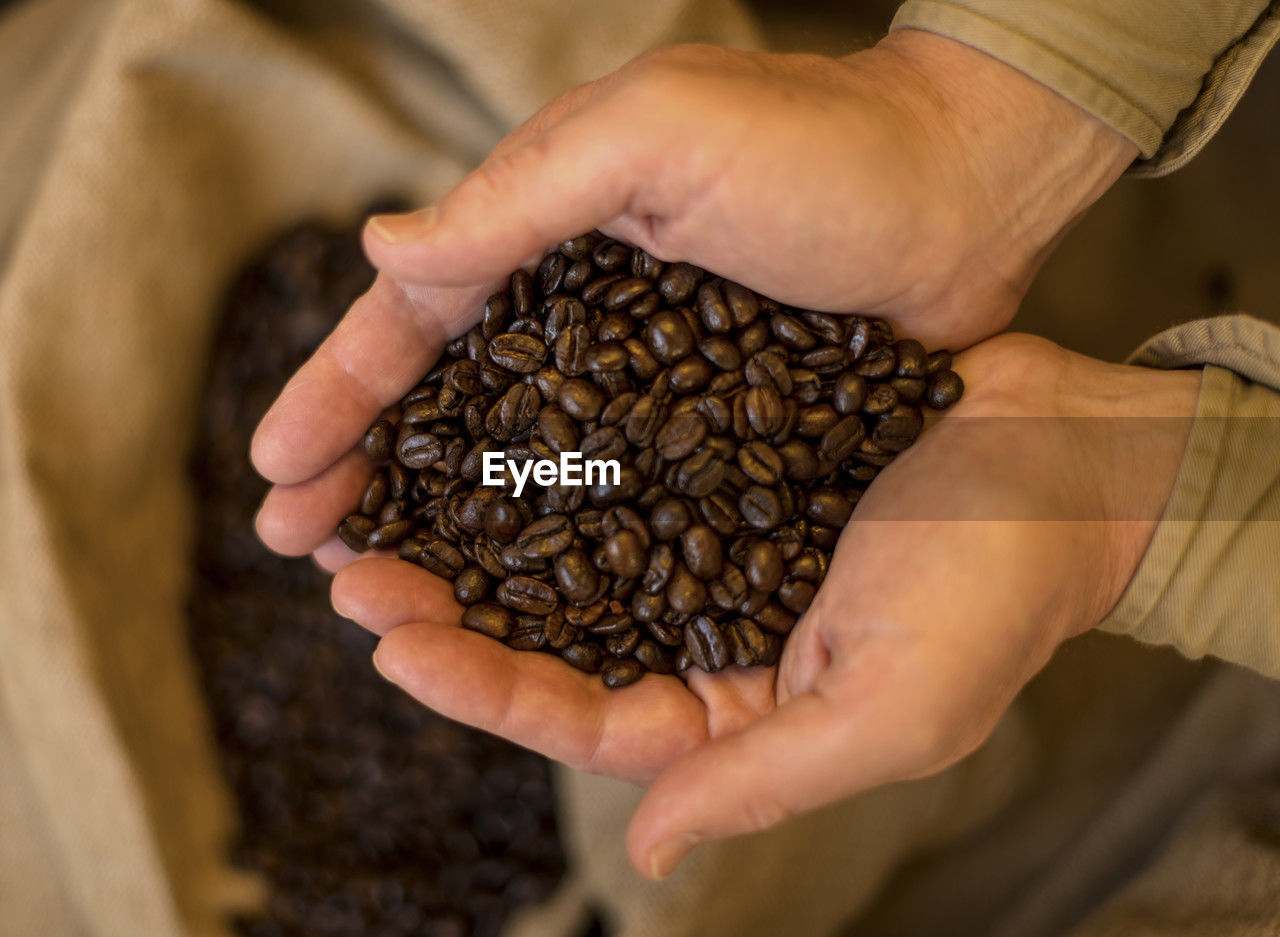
x=1026 y=163
x=1145 y=419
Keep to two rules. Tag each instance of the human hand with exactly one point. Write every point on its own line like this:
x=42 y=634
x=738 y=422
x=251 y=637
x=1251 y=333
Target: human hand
x=920 y=181
x=1013 y=524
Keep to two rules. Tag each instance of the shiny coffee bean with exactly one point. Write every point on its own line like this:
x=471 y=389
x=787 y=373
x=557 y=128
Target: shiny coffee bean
x=489 y=618
x=706 y=645
x=702 y=551
x=944 y=389
x=524 y=594
x=620 y=673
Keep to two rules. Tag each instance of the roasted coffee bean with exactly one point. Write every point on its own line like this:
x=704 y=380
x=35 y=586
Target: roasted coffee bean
x=828 y=507
x=699 y=474
x=388 y=535
x=646 y=607
x=653 y=658
x=522 y=354
x=769 y=368
x=551 y=272
x=577 y=276
x=624 y=292
x=849 y=392
x=720 y=510
x=379 y=441
x=669 y=337
x=680 y=435
x=721 y=351
x=502 y=520
x=524 y=594
x=644 y=264
x=898 y=429
x=611 y=256
x=559 y=632
x=877 y=364
x=744 y=305
x=627 y=487
x=354 y=531
x=706 y=644
x=442 y=558
x=796 y=596
x=774 y=618
x=686 y=593
x=617 y=519
x=514 y=412
x=678 y=282
x=702 y=551
x=912 y=358
x=616 y=327
x=586 y=657
x=661 y=565
x=746 y=642
x=880 y=400
x=620 y=673
x=471 y=586
x=669 y=518
x=761 y=507
x=764 y=410
x=571 y=349
x=606 y=356
x=644 y=421
x=842 y=440
x=762 y=566
x=576 y=576
x=557 y=429
x=545 y=537
x=419 y=450
x=489 y=618
x=626 y=555
x=690 y=375
x=374 y=495
x=603 y=444
x=497 y=313
x=944 y=389
x=761 y=462
x=528 y=634
x=713 y=307
x=665 y=633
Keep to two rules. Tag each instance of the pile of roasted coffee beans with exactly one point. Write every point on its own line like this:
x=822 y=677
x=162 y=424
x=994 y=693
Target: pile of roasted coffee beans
x=744 y=433
x=366 y=814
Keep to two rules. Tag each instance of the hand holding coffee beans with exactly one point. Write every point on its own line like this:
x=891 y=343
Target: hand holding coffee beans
x=730 y=436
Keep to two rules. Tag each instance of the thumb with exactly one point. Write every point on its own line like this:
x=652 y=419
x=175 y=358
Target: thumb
x=856 y=728
x=579 y=174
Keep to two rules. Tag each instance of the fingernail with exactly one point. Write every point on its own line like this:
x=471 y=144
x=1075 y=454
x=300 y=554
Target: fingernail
x=395 y=229
x=665 y=856
x=381 y=673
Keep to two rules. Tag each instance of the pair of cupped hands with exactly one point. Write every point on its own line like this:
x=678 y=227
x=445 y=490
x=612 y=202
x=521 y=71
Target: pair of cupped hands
x=920 y=181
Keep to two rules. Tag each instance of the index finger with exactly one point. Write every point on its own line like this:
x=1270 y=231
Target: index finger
x=384 y=344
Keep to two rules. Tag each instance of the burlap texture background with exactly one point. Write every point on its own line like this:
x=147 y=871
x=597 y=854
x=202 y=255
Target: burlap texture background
x=148 y=147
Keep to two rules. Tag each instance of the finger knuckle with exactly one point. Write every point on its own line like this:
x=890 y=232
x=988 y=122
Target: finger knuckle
x=763 y=813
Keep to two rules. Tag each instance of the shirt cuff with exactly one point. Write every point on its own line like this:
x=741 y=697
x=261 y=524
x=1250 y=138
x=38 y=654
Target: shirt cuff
x=1207 y=584
x=1163 y=73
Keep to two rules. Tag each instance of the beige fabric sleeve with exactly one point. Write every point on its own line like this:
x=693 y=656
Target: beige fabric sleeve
x=1165 y=73
x=1209 y=583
